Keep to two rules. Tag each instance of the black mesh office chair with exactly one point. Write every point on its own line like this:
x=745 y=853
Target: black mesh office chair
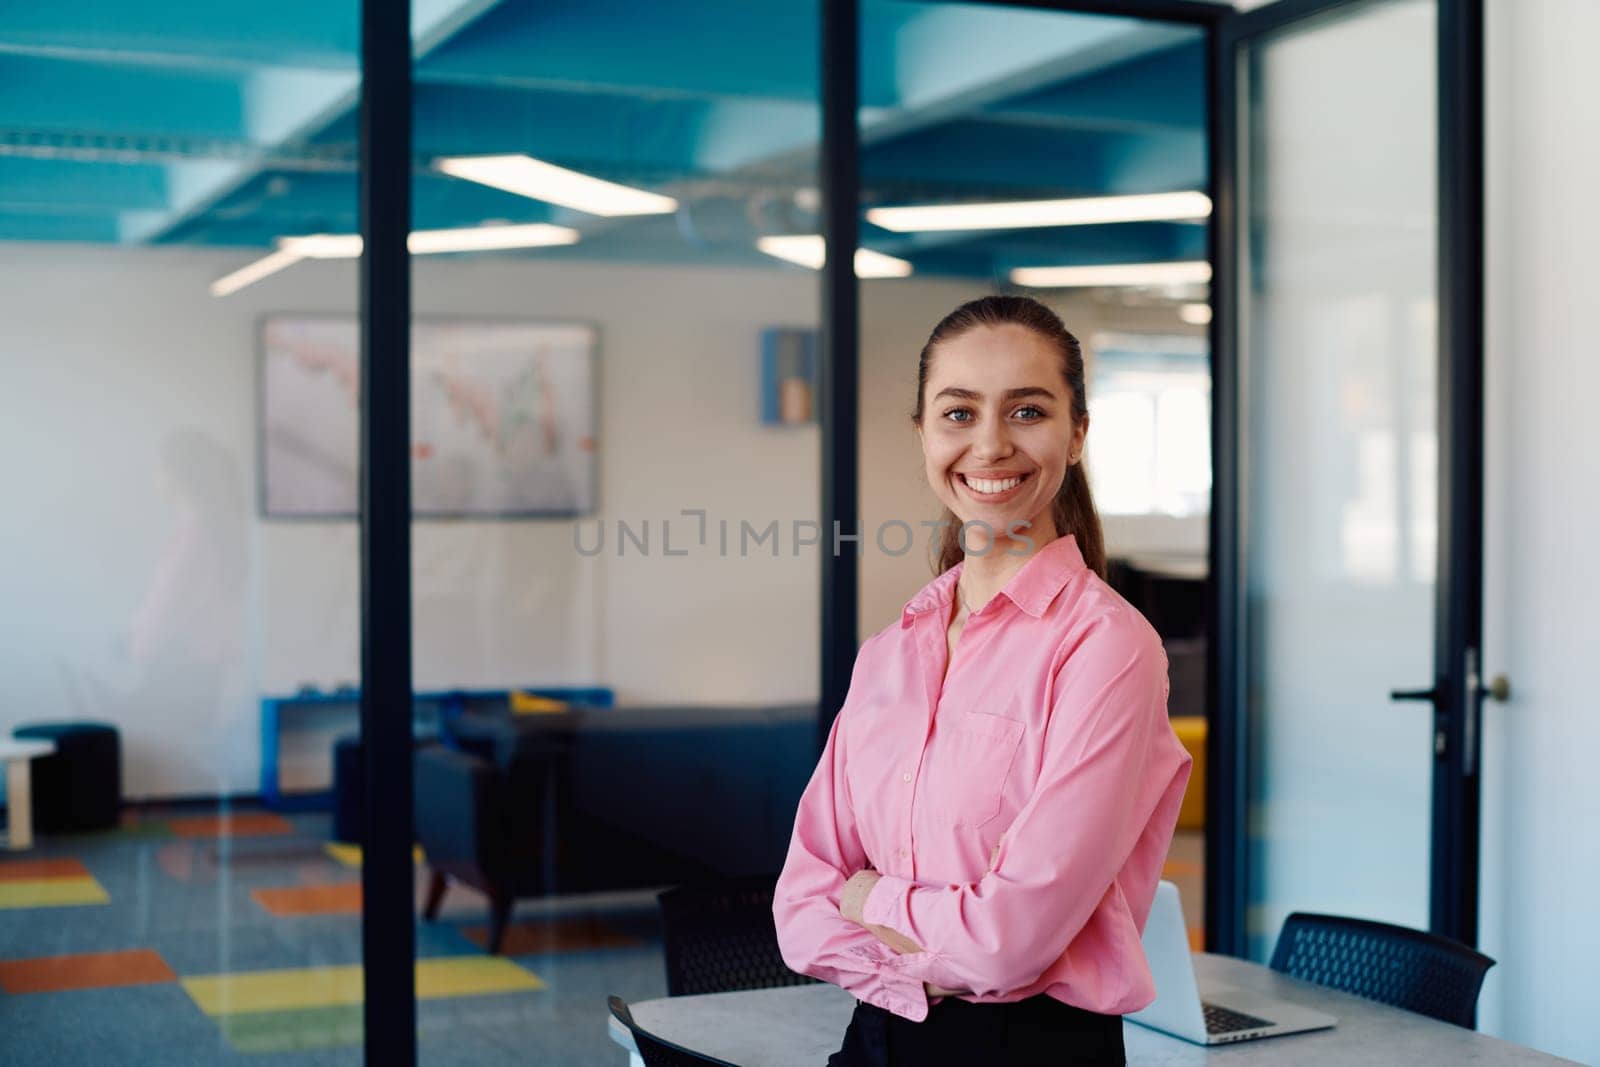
x=720 y=937
x=653 y=1050
x=1395 y=965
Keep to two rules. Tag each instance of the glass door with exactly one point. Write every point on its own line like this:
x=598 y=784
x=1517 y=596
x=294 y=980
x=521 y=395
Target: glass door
x=1353 y=582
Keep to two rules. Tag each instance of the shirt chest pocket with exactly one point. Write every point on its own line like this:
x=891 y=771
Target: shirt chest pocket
x=964 y=777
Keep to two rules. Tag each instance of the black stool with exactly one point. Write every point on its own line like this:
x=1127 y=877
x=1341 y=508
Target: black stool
x=79 y=786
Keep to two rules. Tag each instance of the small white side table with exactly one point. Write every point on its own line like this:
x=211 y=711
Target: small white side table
x=19 y=787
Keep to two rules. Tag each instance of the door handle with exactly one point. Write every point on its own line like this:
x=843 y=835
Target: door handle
x=1431 y=696
x=1499 y=688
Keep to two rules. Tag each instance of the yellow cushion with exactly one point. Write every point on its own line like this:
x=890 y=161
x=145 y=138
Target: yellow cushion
x=1191 y=730
x=530 y=703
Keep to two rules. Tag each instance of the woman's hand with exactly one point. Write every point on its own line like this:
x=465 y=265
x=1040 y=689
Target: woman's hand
x=853 y=898
x=894 y=939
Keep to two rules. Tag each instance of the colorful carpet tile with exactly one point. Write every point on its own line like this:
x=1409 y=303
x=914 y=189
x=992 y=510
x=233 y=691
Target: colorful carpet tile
x=95 y=970
x=293 y=1031
x=48 y=883
x=232 y=824
x=343 y=898
x=300 y=988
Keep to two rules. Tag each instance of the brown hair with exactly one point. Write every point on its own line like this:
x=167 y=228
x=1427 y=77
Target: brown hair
x=1073 y=508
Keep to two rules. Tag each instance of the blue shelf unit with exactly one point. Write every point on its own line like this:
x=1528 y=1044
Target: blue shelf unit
x=428 y=708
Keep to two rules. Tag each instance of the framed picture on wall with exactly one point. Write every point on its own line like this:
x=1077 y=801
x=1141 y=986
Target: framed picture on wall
x=788 y=376
x=503 y=417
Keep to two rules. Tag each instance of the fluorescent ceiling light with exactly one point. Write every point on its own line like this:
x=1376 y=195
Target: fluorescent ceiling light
x=1081 y=211
x=420 y=242
x=1130 y=274
x=489 y=238
x=251 y=273
x=1195 y=314
x=530 y=177
x=323 y=245
x=808 y=250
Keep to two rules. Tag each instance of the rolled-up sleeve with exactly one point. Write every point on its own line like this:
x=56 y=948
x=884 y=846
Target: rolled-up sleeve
x=813 y=937
x=1111 y=770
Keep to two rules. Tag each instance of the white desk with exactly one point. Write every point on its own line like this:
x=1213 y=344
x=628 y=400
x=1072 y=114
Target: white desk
x=17 y=756
x=804 y=1025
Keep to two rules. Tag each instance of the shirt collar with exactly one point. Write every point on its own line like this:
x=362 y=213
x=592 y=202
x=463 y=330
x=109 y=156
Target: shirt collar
x=1032 y=588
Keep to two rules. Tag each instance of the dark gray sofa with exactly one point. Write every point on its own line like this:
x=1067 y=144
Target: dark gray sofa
x=610 y=798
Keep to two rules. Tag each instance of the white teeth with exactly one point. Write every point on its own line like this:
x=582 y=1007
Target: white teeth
x=985 y=486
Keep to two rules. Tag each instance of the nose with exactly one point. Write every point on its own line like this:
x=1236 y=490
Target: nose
x=993 y=440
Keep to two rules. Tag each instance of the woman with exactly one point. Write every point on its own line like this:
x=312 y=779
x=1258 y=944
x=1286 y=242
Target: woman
x=978 y=850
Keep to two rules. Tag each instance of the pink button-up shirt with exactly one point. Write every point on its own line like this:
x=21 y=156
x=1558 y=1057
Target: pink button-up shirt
x=1019 y=805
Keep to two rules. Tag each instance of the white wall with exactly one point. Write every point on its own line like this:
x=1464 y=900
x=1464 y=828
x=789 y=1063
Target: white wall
x=141 y=587
x=1541 y=810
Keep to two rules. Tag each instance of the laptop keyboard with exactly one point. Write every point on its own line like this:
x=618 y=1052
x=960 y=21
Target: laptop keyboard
x=1220 y=1020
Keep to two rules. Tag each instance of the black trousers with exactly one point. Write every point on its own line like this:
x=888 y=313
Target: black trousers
x=1040 y=1030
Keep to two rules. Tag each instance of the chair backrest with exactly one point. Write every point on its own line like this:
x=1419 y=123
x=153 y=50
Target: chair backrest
x=720 y=937
x=1410 y=969
x=655 y=1051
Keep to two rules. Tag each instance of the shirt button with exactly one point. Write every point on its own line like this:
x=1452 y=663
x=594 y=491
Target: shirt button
x=906 y=777
x=904 y=853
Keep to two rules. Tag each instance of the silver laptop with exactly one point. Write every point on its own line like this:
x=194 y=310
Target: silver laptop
x=1225 y=1015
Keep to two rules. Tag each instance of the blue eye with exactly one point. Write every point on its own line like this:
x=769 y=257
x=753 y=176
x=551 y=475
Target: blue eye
x=957 y=411
x=1038 y=413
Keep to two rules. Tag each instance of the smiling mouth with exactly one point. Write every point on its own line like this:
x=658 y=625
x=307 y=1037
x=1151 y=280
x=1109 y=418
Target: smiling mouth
x=993 y=486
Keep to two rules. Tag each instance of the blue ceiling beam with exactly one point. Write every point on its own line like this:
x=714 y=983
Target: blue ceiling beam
x=997 y=158
x=1158 y=163
x=281 y=106
x=71 y=187
x=994 y=252
x=1161 y=92
x=1144 y=242
x=562 y=127
x=38 y=94
x=953 y=60
x=682 y=48
x=194 y=34
x=291 y=106
x=938 y=63
x=283 y=204
x=737 y=134
x=33 y=226
x=301 y=203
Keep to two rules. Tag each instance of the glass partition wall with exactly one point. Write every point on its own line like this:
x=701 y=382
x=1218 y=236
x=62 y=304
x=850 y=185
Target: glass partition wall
x=615 y=465
x=1339 y=361
x=178 y=405
x=614 y=460
x=1063 y=156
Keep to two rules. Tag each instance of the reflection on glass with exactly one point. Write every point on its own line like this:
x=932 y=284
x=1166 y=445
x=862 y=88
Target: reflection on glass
x=1338 y=365
x=637 y=678
x=194 y=660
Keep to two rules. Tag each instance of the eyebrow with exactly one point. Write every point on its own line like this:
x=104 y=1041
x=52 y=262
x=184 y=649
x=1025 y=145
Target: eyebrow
x=1009 y=394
